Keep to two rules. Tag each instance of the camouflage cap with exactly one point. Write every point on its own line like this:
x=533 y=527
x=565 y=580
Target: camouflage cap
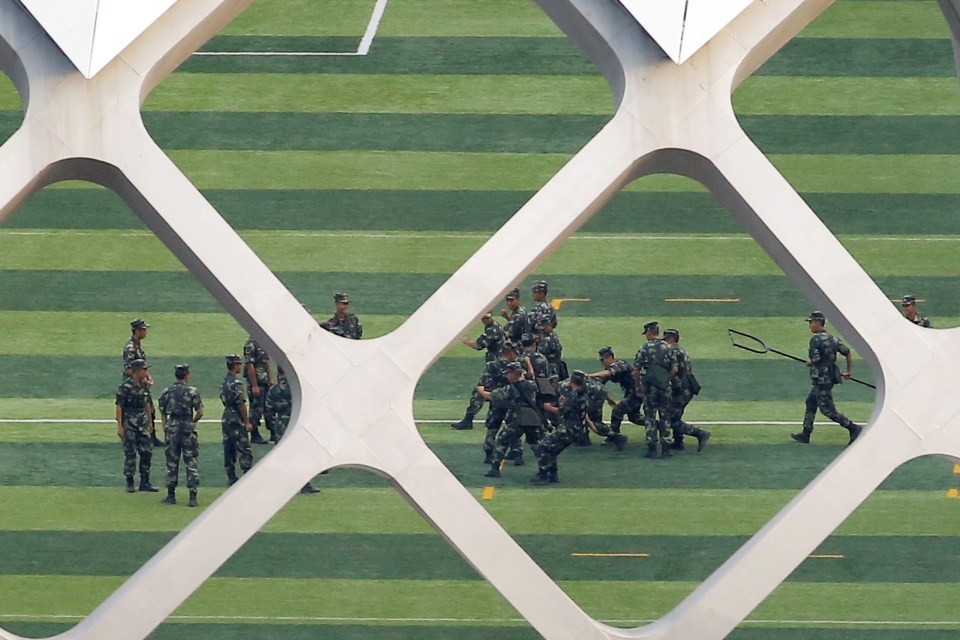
x=233 y=360
x=341 y=297
x=672 y=332
x=578 y=377
x=509 y=346
x=139 y=363
x=513 y=294
x=528 y=338
x=487 y=315
x=817 y=316
x=138 y=323
x=539 y=285
x=652 y=327
x=181 y=370
x=908 y=300
x=512 y=366
x=605 y=352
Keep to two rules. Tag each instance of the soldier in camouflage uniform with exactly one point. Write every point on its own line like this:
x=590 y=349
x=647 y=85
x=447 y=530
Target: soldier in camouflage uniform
x=549 y=345
x=542 y=310
x=910 y=312
x=235 y=422
x=133 y=350
x=824 y=373
x=494 y=377
x=518 y=322
x=534 y=363
x=279 y=406
x=523 y=415
x=133 y=425
x=256 y=370
x=348 y=323
x=654 y=369
x=596 y=396
x=620 y=372
x=180 y=411
x=571 y=408
x=492 y=340
x=684 y=386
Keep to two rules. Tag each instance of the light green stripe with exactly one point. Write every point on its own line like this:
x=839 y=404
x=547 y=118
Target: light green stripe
x=887 y=19
x=303 y=18
x=778 y=95
x=444 y=254
x=368 y=511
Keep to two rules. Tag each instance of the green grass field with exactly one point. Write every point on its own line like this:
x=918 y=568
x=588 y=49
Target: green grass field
x=380 y=175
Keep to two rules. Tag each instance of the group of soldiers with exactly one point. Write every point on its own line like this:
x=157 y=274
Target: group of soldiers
x=533 y=397
x=180 y=409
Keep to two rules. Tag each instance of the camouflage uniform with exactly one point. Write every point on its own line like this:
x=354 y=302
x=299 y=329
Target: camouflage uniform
x=279 y=405
x=542 y=312
x=517 y=325
x=622 y=373
x=132 y=398
x=492 y=340
x=596 y=396
x=522 y=416
x=655 y=361
x=824 y=374
x=179 y=402
x=493 y=378
x=236 y=443
x=551 y=348
x=348 y=326
x=682 y=389
x=572 y=405
x=134 y=351
x=258 y=357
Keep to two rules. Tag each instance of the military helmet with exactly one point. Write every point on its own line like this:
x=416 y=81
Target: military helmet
x=138 y=323
x=908 y=300
x=233 y=360
x=817 y=316
x=652 y=327
x=539 y=285
x=181 y=370
x=341 y=297
x=513 y=294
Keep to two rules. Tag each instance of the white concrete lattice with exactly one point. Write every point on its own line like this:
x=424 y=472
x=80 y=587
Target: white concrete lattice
x=669 y=118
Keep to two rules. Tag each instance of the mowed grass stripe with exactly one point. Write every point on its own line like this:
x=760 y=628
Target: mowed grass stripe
x=383 y=93
x=381 y=510
x=839 y=57
x=429 y=557
x=473 y=211
x=735 y=467
x=473 y=600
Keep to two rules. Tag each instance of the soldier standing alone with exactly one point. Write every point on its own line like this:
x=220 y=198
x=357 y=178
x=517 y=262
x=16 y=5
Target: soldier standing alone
x=180 y=411
x=133 y=425
x=910 y=312
x=235 y=422
x=343 y=322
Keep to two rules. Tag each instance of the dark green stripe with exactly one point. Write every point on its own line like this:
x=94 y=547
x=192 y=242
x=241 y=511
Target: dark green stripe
x=844 y=57
x=721 y=467
x=308 y=210
x=422 y=557
x=179 y=631
x=402 y=293
x=529 y=133
x=845 y=633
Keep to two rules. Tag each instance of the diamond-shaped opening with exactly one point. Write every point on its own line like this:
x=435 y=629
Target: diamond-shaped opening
x=888 y=572
x=354 y=560
x=375 y=174
x=78 y=266
x=11 y=106
x=650 y=529
x=860 y=114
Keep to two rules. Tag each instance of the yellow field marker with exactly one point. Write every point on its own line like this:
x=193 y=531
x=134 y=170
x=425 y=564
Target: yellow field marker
x=488 y=493
x=826 y=557
x=956 y=468
x=610 y=555
x=725 y=300
x=952 y=493
x=556 y=302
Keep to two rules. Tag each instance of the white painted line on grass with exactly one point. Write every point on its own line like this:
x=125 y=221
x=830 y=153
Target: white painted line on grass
x=362 y=49
x=348 y=619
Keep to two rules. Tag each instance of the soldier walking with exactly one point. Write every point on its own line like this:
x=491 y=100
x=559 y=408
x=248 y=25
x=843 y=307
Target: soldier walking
x=682 y=389
x=235 y=422
x=180 y=411
x=492 y=340
x=824 y=374
x=518 y=400
x=571 y=408
x=654 y=368
x=133 y=425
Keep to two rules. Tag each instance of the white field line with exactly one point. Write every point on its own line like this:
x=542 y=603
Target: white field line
x=894 y=623
x=362 y=49
x=777 y=423
x=460 y=236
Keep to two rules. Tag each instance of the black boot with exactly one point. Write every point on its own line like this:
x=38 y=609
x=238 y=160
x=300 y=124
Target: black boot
x=231 y=476
x=518 y=459
x=702 y=438
x=156 y=441
x=620 y=440
x=193 y=498
x=171 y=496
x=651 y=451
x=464 y=425
x=542 y=477
x=552 y=477
x=146 y=486
x=255 y=437
x=677 y=442
x=494 y=471
x=487 y=457
x=803 y=437
x=309 y=489
x=130 y=487
x=854 y=430
x=665 y=451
